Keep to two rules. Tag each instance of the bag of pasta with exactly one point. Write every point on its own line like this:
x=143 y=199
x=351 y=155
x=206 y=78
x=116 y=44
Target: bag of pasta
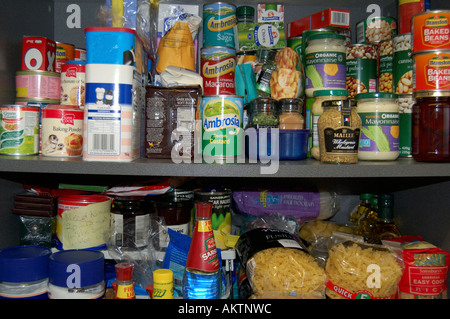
x=278 y=267
x=359 y=270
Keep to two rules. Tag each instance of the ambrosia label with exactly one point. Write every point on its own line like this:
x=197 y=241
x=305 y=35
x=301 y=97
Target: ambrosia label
x=217 y=69
x=431 y=30
x=432 y=71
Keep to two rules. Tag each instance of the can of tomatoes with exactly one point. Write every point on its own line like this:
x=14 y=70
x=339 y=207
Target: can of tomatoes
x=431 y=31
x=431 y=71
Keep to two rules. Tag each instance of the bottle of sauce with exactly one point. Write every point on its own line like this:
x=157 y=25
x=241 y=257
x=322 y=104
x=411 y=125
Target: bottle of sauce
x=202 y=274
x=362 y=207
x=290 y=117
x=162 y=284
x=386 y=227
x=124 y=284
x=369 y=219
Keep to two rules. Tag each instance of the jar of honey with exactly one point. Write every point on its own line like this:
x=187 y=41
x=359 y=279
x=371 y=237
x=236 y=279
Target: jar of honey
x=431 y=126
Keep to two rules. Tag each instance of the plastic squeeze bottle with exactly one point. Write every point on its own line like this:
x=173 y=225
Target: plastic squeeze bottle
x=202 y=274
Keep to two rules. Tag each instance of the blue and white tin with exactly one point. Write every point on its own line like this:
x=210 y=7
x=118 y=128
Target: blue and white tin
x=219 y=25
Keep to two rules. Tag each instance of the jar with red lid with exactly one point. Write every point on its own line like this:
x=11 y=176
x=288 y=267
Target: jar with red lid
x=431 y=127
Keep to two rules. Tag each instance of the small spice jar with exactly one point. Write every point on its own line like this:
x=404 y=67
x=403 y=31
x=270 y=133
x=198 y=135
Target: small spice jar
x=431 y=126
x=263 y=113
x=380 y=131
x=339 y=128
x=130 y=222
x=317 y=110
x=290 y=114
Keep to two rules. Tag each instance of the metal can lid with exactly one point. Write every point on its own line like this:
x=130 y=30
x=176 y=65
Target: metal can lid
x=89 y=263
x=431 y=93
x=22 y=264
x=325 y=35
x=376 y=95
x=330 y=92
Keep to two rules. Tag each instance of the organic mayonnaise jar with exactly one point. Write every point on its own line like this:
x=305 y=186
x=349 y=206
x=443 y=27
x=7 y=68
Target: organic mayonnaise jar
x=325 y=63
x=379 y=114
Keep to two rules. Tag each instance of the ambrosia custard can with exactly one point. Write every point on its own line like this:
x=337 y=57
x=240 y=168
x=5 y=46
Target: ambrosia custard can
x=217 y=70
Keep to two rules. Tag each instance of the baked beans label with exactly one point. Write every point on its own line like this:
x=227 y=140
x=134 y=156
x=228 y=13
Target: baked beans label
x=436 y=31
x=437 y=72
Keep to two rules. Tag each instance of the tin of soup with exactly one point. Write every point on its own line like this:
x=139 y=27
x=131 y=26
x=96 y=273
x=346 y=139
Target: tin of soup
x=38 y=84
x=219 y=21
x=62 y=131
x=217 y=69
x=431 y=70
x=431 y=30
x=19 y=130
x=222 y=131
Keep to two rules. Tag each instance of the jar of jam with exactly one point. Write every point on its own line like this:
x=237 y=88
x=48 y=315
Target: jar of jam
x=431 y=126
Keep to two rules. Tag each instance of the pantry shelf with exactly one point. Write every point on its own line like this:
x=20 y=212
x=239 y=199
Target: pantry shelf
x=308 y=168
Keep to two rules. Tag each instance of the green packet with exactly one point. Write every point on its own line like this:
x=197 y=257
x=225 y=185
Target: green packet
x=253 y=36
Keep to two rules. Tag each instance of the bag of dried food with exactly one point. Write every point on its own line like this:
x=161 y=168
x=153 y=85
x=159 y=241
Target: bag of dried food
x=287 y=80
x=278 y=267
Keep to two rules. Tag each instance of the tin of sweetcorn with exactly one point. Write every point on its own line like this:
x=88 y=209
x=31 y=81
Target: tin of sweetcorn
x=222 y=132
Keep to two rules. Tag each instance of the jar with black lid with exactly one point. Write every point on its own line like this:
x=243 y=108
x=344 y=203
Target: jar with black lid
x=130 y=222
x=431 y=126
x=263 y=113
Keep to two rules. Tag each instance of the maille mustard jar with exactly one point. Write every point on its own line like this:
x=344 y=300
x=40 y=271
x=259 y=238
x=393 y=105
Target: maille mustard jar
x=339 y=129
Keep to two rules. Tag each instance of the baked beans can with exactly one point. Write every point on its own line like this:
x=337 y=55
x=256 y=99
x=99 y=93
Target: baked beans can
x=431 y=31
x=385 y=66
x=219 y=24
x=405 y=103
x=362 y=71
x=38 y=84
x=19 y=130
x=62 y=131
x=222 y=130
x=403 y=64
x=217 y=70
x=73 y=83
x=83 y=222
x=376 y=29
x=431 y=71
x=406 y=10
x=38 y=53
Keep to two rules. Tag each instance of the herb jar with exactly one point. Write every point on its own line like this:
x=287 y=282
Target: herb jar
x=339 y=128
x=317 y=110
x=290 y=114
x=263 y=113
x=379 y=114
x=325 y=62
x=431 y=127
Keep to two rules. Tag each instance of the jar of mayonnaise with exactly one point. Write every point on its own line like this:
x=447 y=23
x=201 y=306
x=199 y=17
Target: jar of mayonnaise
x=379 y=114
x=325 y=62
x=317 y=110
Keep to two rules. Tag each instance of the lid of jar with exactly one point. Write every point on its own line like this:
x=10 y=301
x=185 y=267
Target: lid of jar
x=262 y=103
x=290 y=104
x=385 y=200
x=330 y=92
x=170 y=200
x=124 y=271
x=245 y=11
x=76 y=266
x=24 y=263
x=432 y=93
x=203 y=209
x=335 y=103
x=162 y=275
x=376 y=95
x=326 y=35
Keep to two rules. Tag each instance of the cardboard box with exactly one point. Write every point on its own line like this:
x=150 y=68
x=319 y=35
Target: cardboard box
x=268 y=13
x=326 y=18
x=38 y=53
x=252 y=36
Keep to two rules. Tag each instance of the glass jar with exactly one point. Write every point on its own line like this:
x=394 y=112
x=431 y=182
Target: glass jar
x=263 y=113
x=379 y=114
x=245 y=14
x=290 y=114
x=431 y=127
x=339 y=128
x=317 y=110
x=325 y=62
x=130 y=222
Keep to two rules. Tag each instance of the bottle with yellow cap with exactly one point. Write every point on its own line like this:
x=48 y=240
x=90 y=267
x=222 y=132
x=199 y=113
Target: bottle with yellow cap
x=163 y=284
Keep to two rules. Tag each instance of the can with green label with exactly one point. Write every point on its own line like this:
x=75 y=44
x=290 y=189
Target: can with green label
x=405 y=103
x=222 y=129
x=362 y=69
x=403 y=64
x=385 y=67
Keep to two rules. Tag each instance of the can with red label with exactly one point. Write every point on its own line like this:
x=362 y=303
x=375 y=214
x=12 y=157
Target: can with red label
x=64 y=52
x=62 y=131
x=431 y=71
x=217 y=70
x=431 y=31
x=407 y=9
x=79 y=54
x=73 y=83
x=38 y=53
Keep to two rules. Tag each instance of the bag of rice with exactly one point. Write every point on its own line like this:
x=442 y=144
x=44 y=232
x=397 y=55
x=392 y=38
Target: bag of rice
x=359 y=270
x=278 y=266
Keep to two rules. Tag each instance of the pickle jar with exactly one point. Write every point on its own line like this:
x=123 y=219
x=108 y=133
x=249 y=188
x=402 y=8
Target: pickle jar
x=339 y=129
x=431 y=127
x=290 y=114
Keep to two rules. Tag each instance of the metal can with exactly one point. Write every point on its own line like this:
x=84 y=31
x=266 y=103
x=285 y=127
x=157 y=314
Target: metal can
x=79 y=54
x=296 y=44
x=362 y=71
x=38 y=84
x=405 y=104
x=19 y=130
x=406 y=10
x=403 y=64
x=431 y=71
x=385 y=67
x=62 y=131
x=73 y=83
x=376 y=29
x=217 y=70
x=431 y=30
x=219 y=21
x=222 y=131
